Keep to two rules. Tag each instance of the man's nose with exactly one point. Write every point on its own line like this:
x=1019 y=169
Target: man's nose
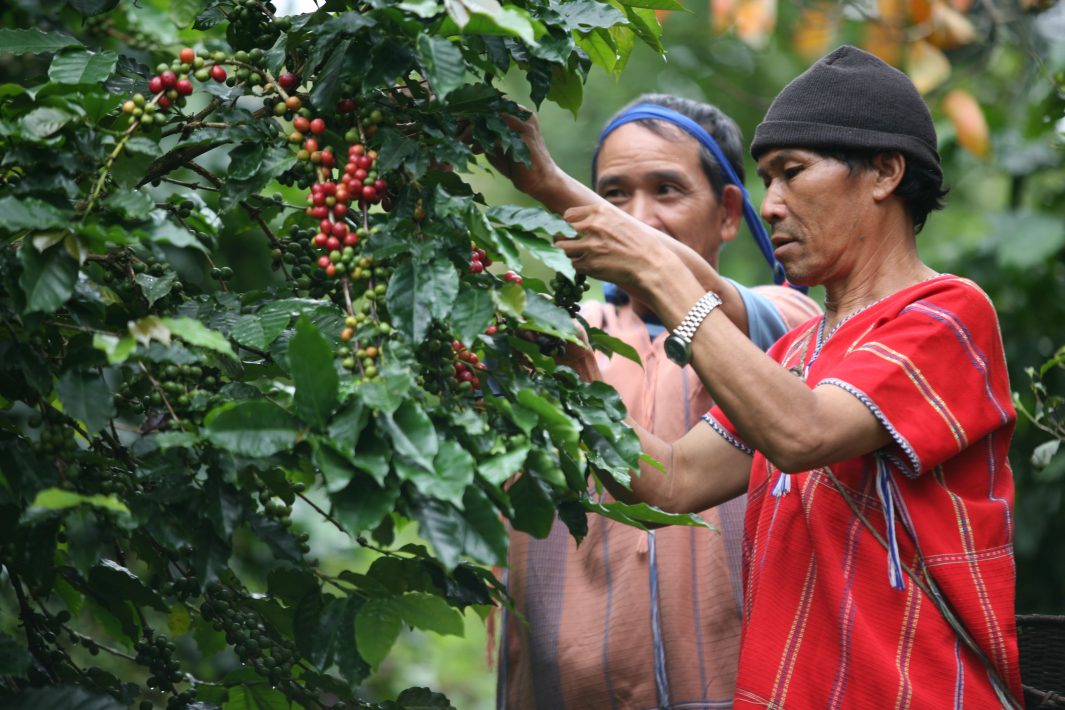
x=644 y=208
x=772 y=209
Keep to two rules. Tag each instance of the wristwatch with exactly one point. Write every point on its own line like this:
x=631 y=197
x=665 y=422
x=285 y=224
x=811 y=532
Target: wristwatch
x=678 y=345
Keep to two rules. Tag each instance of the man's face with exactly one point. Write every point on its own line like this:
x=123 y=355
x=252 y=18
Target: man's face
x=814 y=207
x=661 y=183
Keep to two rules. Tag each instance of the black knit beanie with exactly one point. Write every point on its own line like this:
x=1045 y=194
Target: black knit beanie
x=850 y=100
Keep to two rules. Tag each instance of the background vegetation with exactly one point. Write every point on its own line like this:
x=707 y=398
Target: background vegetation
x=992 y=73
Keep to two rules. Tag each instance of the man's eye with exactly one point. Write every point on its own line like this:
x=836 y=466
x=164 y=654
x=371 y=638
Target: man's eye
x=612 y=194
x=668 y=189
x=790 y=173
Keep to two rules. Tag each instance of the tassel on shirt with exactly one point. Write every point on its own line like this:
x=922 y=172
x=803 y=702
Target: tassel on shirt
x=782 y=487
x=884 y=491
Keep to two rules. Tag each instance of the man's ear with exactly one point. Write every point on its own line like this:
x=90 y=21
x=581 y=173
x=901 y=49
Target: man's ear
x=732 y=204
x=888 y=169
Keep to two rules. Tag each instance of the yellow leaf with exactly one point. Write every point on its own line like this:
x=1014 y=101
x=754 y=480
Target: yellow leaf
x=815 y=31
x=950 y=28
x=148 y=328
x=722 y=12
x=969 y=122
x=927 y=66
x=884 y=42
x=755 y=20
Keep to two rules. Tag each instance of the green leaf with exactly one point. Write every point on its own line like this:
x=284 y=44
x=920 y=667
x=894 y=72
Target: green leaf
x=59 y=499
x=310 y=359
x=444 y=65
x=183 y=12
x=363 y=504
x=453 y=471
x=155 y=287
x=600 y=48
x=545 y=317
x=194 y=332
x=178 y=621
x=545 y=252
x=329 y=81
x=1028 y=239
x=30 y=213
x=116 y=583
x=419 y=293
x=86 y=396
x=81 y=67
x=412 y=433
x=608 y=344
x=14 y=659
x=377 y=626
x=499 y=468
x=639 y=513
x=429 y=612
x=531 y=219
x=169 y=233
x=253 y=428
x=562 y=429
x=64 y=697
x=135 y=204
x=656 y=4
x=89 y=8
x=47 y=278
x=44 y=121
x=534 y=511
x=567 y=89
x=586 y=15
x=645 y=24
x=34 y=41
x=255 y=696
x=472 y=312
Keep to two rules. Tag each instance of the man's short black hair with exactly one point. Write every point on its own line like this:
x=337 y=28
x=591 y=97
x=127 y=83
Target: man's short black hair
x=720 y=127
x=921 y=188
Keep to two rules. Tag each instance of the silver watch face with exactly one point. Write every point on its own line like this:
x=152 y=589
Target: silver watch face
x=678 y=349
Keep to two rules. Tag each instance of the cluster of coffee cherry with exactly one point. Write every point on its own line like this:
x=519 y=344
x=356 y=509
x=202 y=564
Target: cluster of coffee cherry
x=171 y=84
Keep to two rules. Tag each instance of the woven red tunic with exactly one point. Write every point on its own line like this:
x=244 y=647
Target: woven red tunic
x=824 y=624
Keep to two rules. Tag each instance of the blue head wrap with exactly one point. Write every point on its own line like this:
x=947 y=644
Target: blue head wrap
x=640 y=112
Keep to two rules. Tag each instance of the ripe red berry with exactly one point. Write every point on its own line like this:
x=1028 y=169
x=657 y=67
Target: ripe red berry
x=345 y=106
x=187 y=56
x=380 y=184
x=351 y=239
x=320 y=240
x=155 y=85
x=327 y=158
x=339 y=230
x=218 y=73
x=340 y=209
x=184 y=87
x=331 y=270
x=512 y=277
x=325 y=225
x=288 y=81
x=319 y=212
x=301 y=124
x=310 y=145
x=365 y=162
x=357 y=149
x=318 y=126
x=323 y=261
x=476 y=267
x=491 y=330
x=164 y=102
x=332 y=244
x=169 y=79
x=369 y=193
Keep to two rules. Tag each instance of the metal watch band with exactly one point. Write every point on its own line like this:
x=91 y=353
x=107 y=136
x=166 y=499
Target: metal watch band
x=696 y=315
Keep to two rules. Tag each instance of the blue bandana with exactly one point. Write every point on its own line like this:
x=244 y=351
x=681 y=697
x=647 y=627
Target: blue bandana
x=641 y=112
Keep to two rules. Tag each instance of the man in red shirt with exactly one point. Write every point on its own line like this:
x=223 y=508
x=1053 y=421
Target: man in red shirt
x=878 y=559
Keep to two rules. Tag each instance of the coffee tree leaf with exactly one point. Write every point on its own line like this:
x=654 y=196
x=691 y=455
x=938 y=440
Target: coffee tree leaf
x=91 y=8
x=364 y=503
x=473 y=311
x=14 y=658
x=194 y=332
x=64 y=697
x=47 y=278
x=155 y=287
x=429 y=612
x=135 y=204
x=534 y=511
x=377 y=626
x=30 y=213
x=452 y=471
x=640 y=513
x=420 y=293
x=255 y=696
x=327 y=88
x=183 y=12
x=60 y=499
x=81 y=67
x=443 y=62
x=86 y=396
x=645 y=25
x=118 y=583
x=587 y=15
x=497 y=469
x=545 y=252
x=412 y=433
x=252 y=428
x=655 y=4
x=33 y=41
x=310 y=360
x=610 y=345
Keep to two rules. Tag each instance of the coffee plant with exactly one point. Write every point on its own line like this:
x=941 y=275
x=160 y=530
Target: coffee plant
x=246 y=295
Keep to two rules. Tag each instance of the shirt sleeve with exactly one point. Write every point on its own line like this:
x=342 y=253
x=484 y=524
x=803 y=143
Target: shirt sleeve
x=764 y=322
x=934 y=375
